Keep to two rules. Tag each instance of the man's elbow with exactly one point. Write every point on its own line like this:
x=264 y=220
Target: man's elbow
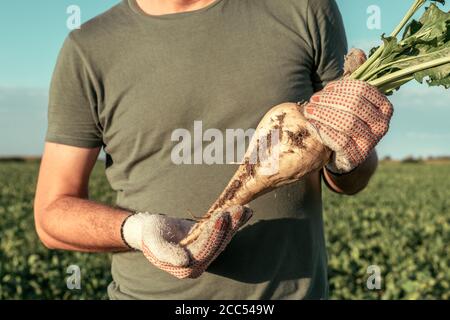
x=352 y=191
x=46 y=240
x=42 y=229
x=348 y=190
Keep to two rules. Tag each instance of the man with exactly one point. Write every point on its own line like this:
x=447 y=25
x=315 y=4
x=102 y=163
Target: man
x=131 y=76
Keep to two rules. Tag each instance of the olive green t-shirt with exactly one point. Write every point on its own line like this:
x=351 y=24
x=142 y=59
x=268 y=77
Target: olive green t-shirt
x=127 y=81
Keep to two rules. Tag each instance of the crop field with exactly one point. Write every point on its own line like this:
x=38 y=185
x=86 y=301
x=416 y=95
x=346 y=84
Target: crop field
x=400 y=225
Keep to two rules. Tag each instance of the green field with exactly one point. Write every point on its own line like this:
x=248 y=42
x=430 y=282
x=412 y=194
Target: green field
x=400 y=223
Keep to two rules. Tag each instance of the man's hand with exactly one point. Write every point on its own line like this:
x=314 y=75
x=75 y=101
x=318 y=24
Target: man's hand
x=158 y=237
x=351 y=117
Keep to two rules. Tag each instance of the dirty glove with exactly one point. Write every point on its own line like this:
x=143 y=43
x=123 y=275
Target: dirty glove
x=158 y=237
x=351 y=117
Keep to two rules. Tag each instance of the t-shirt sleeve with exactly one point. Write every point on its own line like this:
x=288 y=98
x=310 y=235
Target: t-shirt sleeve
x=72 y=109
x=329 y=41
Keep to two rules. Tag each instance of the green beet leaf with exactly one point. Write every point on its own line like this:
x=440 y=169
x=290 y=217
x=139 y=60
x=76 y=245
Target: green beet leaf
x=422 y=53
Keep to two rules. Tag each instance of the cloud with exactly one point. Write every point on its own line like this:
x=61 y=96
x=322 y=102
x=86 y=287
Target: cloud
x=415 y=95
x=22 y=97
x=21 y=101
x=428 y=135
x=23 y=120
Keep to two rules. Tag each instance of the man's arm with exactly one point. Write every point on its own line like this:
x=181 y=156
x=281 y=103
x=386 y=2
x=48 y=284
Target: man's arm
x=64 y=217
x=354 y=181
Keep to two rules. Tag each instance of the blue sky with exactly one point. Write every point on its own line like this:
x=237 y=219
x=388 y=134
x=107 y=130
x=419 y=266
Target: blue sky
x=31 y=34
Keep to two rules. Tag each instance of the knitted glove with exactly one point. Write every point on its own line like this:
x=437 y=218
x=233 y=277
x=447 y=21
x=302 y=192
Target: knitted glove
x=158 y=237
x=351 y=117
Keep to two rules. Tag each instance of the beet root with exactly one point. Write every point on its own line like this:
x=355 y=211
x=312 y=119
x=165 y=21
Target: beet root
x=284 y=148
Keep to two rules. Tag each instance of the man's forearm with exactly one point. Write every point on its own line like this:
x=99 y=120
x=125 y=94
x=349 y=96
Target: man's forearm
x=356 y=180
x=71 y=223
